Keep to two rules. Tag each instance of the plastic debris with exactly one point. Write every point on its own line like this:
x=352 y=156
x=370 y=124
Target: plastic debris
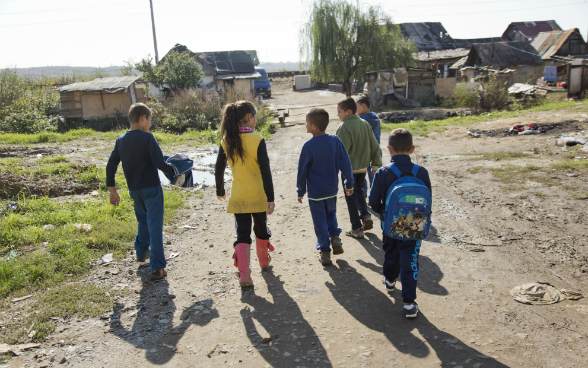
x=542 y=293
x=12 y=206
x=16 y=300
x=107 y=258
x=569 y=141
x=10 y=255
x=39 y=155
x=173 y=255
x=84 y=227
x=48 y=226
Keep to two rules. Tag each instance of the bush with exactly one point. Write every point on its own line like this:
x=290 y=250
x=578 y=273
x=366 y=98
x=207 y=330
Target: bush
x=463 y=96
x=491 y=95
x=25 y=107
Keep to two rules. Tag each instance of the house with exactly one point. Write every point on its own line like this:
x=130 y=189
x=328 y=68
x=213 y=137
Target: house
x=401 y=86
x=101 y=98
x=225 y=68
x=432 y=36
x=527 y=31
x=559 y=43
x=441 y=60
x=517 y=55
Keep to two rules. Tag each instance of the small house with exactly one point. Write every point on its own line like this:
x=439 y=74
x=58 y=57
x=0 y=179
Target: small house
x=517 y=55
x=401 y=86
x=101 y=98
x=225 y=68
x=527 y=31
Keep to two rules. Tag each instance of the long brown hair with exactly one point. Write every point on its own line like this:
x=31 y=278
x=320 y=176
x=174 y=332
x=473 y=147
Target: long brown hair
x=232 y=114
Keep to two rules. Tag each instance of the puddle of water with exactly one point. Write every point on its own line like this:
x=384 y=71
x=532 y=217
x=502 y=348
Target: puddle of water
x=197 y=176
x=162 y=178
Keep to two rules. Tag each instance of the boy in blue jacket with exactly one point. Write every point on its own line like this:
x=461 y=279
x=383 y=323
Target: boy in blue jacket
x=363 y=110
x=401 y=257
x=321 y=159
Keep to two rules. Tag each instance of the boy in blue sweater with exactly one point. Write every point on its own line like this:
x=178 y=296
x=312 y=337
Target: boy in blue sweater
x=141 y=157
x=363 y=110
x=321 y=159
x=401 y=258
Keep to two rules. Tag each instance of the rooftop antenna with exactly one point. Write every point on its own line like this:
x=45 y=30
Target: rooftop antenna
x=154 y=38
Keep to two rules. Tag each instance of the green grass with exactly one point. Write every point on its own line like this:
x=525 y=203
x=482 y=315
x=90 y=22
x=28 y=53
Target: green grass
x=48 y=245
x=508 y=155
x=67 y=301
x=423 y=128
x=54 y=166
x=579 y=165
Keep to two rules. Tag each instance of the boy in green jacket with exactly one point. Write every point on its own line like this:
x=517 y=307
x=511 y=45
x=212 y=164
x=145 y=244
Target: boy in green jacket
x=363 y=148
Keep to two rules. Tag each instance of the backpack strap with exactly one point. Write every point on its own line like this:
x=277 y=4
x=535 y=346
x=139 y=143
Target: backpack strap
x=399 y=174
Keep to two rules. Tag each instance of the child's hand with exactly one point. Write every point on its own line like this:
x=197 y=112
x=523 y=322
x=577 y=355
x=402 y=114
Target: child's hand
x=222 y=198
x=348 y=192
x=114 y=197
x=300 y=199
x=270 y=207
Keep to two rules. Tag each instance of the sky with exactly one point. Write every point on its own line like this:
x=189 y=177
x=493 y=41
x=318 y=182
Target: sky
x=101 y=33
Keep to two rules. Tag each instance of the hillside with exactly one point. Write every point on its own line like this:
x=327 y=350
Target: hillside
x=56 y=71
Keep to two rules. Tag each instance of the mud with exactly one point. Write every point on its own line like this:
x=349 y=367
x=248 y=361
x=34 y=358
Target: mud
x=426 y=114
x=14 y=185
x=32 y=151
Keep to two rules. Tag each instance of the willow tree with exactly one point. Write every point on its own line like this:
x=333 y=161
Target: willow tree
x=343 y=40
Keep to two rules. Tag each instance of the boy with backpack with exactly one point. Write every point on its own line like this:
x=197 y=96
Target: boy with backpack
x=401 y=194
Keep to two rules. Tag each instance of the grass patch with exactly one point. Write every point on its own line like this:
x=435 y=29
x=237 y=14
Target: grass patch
x=578 y=165
x=65 y=302
x=54 y=166
x=423 y=128
x=498 y=155
x=48 y=246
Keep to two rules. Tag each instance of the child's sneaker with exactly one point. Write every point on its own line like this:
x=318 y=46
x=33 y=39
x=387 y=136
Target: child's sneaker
x=368 y=224
x=411 y=310
x=390 y=285
x=336 y=245
x=325 y=258
x=357 y=234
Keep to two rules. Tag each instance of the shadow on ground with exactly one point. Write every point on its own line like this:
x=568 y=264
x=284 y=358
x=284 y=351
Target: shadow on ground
x=297 y=343
x=390 y=321
x=153 y=330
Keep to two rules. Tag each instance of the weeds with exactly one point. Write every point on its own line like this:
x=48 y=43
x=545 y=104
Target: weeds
x=64 y=302
x=508 y=155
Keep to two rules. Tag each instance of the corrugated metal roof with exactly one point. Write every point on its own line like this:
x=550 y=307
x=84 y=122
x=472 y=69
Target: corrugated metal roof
x=548 y=44
x=468 y=42
x=458 y=64
x=506 y=54
x=442 y=54
x=110 y=84
x=428 y=36
x=228 y=61
x=237 y=76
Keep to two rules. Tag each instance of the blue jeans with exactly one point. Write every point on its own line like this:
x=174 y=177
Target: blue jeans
x=370 y=176
x=356 y=204
x=324 y=218
x=149 y=212
x=401 y=258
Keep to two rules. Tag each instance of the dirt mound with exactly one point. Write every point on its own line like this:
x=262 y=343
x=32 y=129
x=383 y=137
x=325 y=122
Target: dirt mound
x=12 y=184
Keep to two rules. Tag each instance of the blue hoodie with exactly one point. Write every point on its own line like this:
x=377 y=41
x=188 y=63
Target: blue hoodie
x=374 y=121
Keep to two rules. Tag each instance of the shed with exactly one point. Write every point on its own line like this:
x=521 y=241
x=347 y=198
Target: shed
x=517 y=55
x=441 y=60
x=560 y=43
x=408 y=83
x=527 y=31
x=101 y=98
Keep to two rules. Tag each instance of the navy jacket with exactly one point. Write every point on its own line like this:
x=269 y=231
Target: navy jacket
x=141 y=157
x=374 y=121
x=385 y=178
x=321 y=159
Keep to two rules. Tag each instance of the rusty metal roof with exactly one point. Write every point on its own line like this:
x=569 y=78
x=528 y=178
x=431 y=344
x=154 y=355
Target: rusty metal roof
x=442 y=54
x=504 y=54
x=548 y=44
x=110 y=84
x=531 y=29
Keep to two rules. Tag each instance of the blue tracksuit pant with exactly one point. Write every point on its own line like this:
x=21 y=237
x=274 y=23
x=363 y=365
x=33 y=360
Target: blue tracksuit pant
x=148 y=204
x=401 y=258
x=324 y=218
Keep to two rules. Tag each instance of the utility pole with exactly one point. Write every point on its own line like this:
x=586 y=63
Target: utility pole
x=154 y=38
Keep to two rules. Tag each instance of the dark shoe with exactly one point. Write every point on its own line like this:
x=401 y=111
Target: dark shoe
x=325 y=258
x=368 y=224
x=144 y=258
x=389 y=285
x=158 y=274
x=357 y=234
x=336 y=245
x=411 y=310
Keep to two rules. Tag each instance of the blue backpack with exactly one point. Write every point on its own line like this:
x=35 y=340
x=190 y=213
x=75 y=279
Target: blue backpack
x=407 y=215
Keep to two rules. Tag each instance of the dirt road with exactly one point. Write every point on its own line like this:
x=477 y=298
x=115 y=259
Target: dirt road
x=487 y=239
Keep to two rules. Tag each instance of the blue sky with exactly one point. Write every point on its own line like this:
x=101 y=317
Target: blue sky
x=107 y=32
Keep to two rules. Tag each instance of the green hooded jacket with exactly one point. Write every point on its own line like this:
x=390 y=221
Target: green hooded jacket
x=361 y=144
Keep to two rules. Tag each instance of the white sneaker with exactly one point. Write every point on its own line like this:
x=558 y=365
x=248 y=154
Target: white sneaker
x=389 y=285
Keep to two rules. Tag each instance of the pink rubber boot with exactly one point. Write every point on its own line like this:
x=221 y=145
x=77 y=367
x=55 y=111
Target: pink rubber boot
x=241 y=257
x=263 y=249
